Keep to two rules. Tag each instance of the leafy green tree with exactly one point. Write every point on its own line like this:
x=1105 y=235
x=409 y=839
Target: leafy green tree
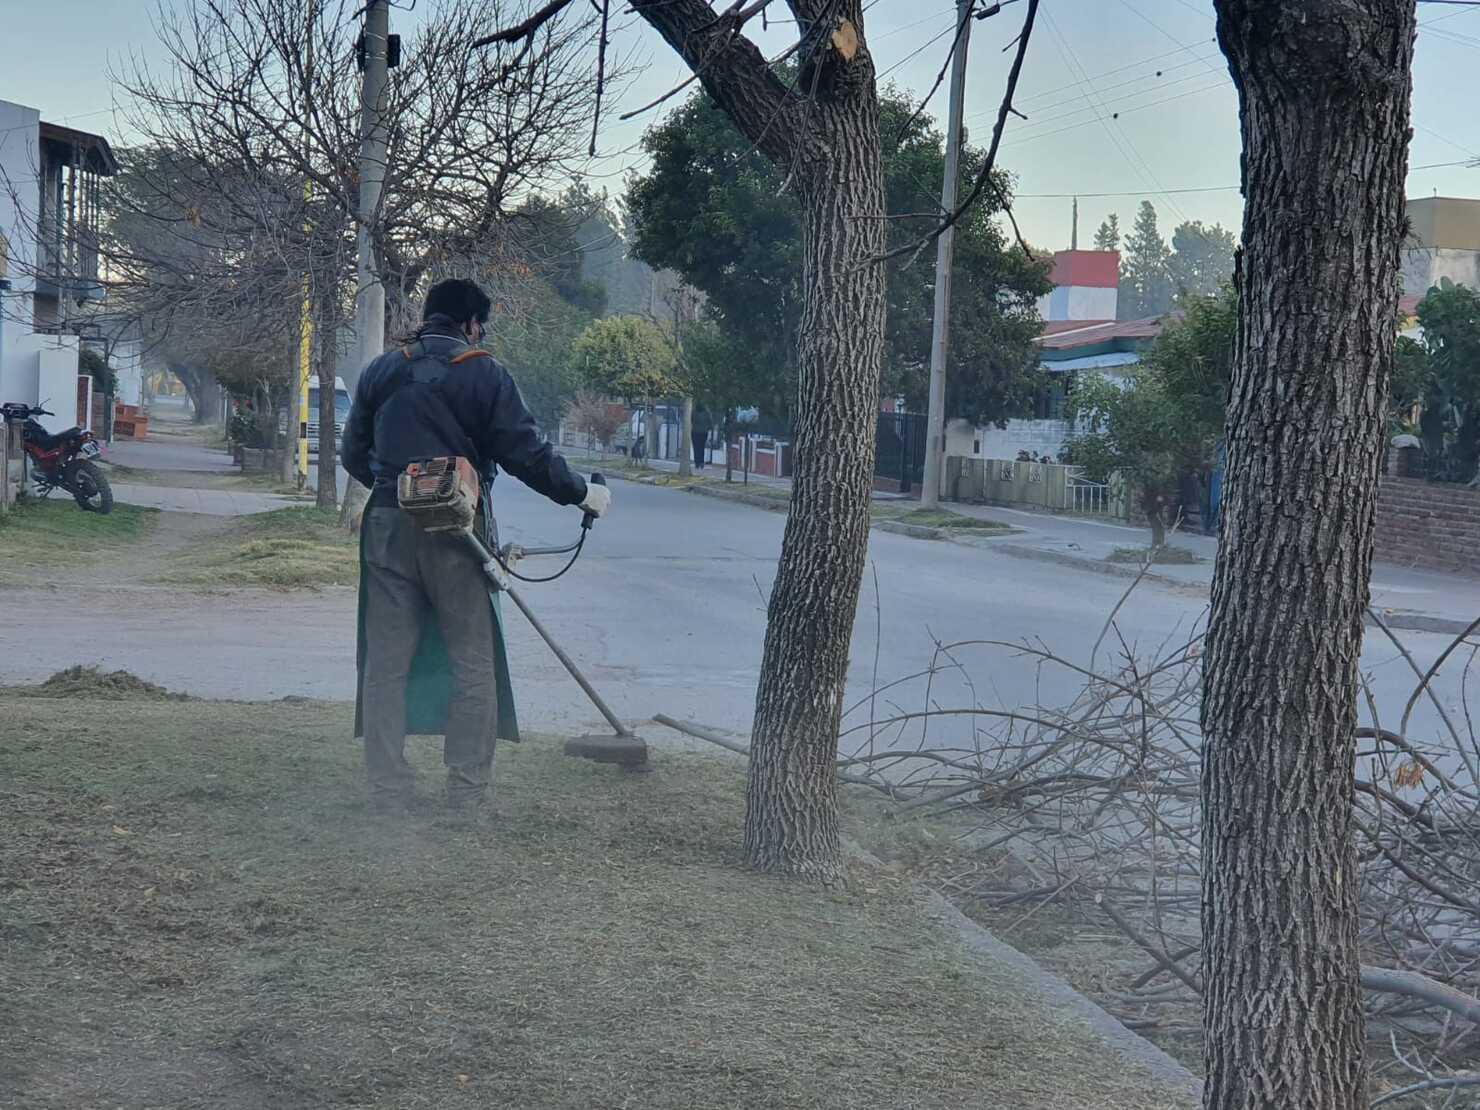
x=1134 y=434
x=1167 y=416
x=1194 y=357
x=1449 y=387
x=720 y=371
x=1107 y=238
x=716 y=211
x=1201 y=261
x=537 y=345
x=1145 y=284
x=627 y=357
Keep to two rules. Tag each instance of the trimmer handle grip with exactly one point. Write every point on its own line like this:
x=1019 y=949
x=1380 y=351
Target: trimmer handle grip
x=590 y=518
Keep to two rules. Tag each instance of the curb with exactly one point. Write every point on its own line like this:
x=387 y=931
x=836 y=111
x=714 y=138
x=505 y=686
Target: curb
x=1124 y=1042
x=759 y=501
x=1396 y=619
x=1420 y=622
x=918 y=531
x=1114 y=570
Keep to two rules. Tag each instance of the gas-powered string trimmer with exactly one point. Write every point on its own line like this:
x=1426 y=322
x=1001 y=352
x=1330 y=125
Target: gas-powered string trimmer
x=442 y=495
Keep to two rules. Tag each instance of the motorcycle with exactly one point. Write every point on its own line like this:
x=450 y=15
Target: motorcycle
x=63 y=460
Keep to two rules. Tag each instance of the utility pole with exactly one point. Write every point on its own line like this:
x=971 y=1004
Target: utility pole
x=945 y=249
x=370 y=293
x=370 y=301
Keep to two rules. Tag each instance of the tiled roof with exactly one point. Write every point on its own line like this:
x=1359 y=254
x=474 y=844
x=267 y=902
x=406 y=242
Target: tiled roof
x=1088 y=333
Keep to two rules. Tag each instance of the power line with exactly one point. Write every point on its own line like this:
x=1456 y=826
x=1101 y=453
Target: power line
x=1134 y=156
x=1034 y=130
x=1196 y=188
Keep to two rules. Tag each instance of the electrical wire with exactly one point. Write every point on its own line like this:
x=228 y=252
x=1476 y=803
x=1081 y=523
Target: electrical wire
x=512 y=573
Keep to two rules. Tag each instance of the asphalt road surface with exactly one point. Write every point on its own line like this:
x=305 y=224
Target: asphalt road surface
x=665 y=610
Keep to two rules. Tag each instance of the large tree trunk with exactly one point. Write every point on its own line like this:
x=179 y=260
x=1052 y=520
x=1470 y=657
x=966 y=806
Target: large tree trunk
x=1324 y=92
x=825 y=131
x=791 y=811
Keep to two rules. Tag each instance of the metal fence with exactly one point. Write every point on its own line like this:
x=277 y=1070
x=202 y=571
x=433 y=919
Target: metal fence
x=900 y=449
x=1051 y=486
x=1084 y=497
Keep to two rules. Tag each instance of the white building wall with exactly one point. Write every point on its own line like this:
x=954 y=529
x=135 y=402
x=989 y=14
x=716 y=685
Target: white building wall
x=128 y=365
x=20 y=200
x=1079 y=302
x=1040 y=437
x=1423 y=267
x=44 y=369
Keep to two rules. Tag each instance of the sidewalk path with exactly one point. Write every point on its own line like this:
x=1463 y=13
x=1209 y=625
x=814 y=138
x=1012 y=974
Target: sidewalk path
x=1414 y=598
x=207 y=502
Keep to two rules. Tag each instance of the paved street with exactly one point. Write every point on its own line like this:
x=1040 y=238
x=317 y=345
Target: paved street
x=666 y=609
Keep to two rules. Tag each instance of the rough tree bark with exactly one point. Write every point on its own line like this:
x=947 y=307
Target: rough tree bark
x=327 y=495
x=1324 y=92
x=825 y=135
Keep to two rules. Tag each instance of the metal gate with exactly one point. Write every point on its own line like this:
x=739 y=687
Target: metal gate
x=900 y=449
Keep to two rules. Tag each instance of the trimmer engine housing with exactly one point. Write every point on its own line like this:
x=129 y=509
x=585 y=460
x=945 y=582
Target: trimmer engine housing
x=441 y=494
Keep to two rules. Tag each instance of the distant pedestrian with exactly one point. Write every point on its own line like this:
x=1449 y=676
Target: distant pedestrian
x=699 y=434
x=1190 y=497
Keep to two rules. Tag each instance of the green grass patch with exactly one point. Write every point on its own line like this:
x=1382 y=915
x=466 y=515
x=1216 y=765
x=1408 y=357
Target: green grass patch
x=299 y=547
x=904 y=513
x=1166 y=555
x=199 y=911
x=55 y=532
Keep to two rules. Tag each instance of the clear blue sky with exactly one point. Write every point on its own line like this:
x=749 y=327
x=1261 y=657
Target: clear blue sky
x=1123 y=96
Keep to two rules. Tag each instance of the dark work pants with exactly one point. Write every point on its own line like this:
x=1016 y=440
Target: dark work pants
x=411 y=574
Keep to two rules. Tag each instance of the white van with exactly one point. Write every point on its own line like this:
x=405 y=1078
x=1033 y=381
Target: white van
x=341 y=414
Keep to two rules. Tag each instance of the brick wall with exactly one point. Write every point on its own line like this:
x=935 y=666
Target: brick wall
x=1430 y=525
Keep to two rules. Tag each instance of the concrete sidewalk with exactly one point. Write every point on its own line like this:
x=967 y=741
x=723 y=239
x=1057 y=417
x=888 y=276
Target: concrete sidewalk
x=207 y=502
x=1409 y=598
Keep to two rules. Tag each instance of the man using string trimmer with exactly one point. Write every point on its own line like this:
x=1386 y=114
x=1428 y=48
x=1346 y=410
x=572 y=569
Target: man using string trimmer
x=431 y=648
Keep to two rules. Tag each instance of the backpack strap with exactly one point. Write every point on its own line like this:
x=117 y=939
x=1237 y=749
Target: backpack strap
x=416 y=353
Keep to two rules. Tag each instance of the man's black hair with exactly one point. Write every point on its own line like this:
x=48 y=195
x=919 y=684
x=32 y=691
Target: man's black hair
x=458 y=298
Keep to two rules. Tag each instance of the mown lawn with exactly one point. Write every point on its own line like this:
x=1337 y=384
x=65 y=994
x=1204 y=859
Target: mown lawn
x=55 y=532
x=292 y=548
x=197 y=911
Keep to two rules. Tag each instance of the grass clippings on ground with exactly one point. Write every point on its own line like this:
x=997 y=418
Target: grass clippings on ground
x=197 y=911
x=83 y=681
x=294 y=548
x=1166 y=555
x=56 y=533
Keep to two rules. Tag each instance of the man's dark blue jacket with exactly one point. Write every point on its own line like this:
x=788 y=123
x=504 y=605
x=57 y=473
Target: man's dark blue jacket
x=460 y=402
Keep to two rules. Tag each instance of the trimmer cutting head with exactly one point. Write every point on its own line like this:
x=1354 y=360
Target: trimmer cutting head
x=625 y=750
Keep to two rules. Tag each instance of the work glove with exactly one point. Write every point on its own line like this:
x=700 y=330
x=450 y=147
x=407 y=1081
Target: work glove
x=598 y=499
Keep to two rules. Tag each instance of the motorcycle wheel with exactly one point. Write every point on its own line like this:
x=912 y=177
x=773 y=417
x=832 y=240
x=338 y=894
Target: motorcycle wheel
x=90 y=488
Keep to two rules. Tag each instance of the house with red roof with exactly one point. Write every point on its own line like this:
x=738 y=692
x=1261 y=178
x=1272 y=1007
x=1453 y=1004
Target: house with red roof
x=1080 y=335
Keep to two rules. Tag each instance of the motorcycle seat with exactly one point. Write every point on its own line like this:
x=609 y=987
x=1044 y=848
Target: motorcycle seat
x=47 y=440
